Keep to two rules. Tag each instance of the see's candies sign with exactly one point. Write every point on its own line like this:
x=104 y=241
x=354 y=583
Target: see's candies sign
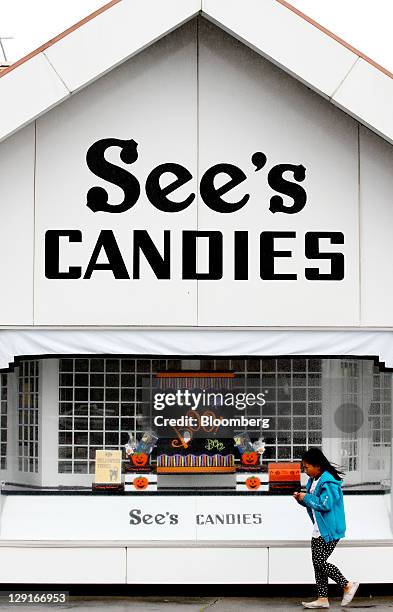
x=288 y=185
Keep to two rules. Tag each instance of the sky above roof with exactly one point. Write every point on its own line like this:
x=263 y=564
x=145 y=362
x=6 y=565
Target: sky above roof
x=364 y=24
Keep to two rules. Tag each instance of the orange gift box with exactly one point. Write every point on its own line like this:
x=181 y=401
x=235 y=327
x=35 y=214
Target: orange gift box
x=284 y=472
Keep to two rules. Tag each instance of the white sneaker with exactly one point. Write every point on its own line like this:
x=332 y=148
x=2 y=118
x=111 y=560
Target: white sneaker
x=349 y=595
x=315 y=604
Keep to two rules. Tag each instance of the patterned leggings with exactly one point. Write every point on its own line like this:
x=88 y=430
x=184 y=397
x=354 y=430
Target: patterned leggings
x=320 y=551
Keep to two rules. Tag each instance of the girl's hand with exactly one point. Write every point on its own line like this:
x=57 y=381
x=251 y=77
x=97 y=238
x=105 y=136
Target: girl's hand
x=299 y=496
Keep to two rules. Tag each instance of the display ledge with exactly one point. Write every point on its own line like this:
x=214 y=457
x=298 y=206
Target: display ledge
x=344 y=543
x=171 y=492
x=196 y=470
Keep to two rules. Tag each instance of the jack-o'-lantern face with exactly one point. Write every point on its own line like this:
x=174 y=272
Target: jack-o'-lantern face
x=250 y=458
x=253 y=483
x=140 y=483
x=139 y=459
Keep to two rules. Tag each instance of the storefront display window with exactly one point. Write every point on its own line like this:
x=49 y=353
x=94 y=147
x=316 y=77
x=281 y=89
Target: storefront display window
x=340 y=405
x=3 y=420
x=28 y=428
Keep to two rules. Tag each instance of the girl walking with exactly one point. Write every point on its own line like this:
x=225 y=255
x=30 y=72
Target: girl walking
x=325 y=506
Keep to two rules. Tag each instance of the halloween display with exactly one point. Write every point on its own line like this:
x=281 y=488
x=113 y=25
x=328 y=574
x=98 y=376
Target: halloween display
x=139 y=459
x=130 y=446
x=200 y=455
x=139 y=452
x=284 y=477
x=146 y=443
x=253 y=483
x=250 y=458
x=185 y=450
x=140 y=482
x=195 y=463
x=243 y=443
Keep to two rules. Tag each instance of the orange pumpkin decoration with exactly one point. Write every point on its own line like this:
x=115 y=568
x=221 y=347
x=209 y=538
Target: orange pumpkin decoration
x=140 y=482
x=253 y=483
x=250 y=458
x=139 y=459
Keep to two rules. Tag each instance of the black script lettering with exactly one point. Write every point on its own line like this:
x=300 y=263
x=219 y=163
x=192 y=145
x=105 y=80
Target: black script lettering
x=157 y=194
x=268 y=254
x=160 y=519
x=97 y=197
x=149 y=519
x=312 y=252
x=259 y=160
x=212 y=195
x=135 y=515
x=279 y=183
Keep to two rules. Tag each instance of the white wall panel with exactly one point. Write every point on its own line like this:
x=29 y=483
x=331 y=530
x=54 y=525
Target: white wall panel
x=197 y=565
x=363 y=564
x=253 y=106
x=217 y=518
x=81 y=518
x=223 y=565
x=151 y=99
x=290 y=566
x=17 y=228
x=250 y=518
x=376 y=229
x=63 y=565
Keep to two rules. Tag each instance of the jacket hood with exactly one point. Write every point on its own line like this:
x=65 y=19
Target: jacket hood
x=327 y=477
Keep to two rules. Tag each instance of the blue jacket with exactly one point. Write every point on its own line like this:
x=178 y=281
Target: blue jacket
x=328 y=504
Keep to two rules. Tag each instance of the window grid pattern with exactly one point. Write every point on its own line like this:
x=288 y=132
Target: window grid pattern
x=3 y=420
x=293 y=394
x=100 y=400
x=350 y=383
x=28 y=394
x=379 y=419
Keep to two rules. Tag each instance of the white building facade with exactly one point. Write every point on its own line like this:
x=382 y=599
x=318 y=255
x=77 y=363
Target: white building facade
x=200 y=194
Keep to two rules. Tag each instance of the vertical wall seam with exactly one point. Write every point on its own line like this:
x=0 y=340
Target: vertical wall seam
x=34 y=212
x=359 y=233
x=268 y=565
x=197 y=159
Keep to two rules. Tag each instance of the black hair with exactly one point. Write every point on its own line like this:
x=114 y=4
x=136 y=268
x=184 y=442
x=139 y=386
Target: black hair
x=315 y=457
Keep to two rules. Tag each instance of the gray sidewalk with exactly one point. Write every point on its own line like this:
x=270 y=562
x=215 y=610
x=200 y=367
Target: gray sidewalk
x=218 y=604
x=202 y=604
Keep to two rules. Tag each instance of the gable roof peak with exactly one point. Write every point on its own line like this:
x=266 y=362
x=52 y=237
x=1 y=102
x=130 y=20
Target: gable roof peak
x=308 y=51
